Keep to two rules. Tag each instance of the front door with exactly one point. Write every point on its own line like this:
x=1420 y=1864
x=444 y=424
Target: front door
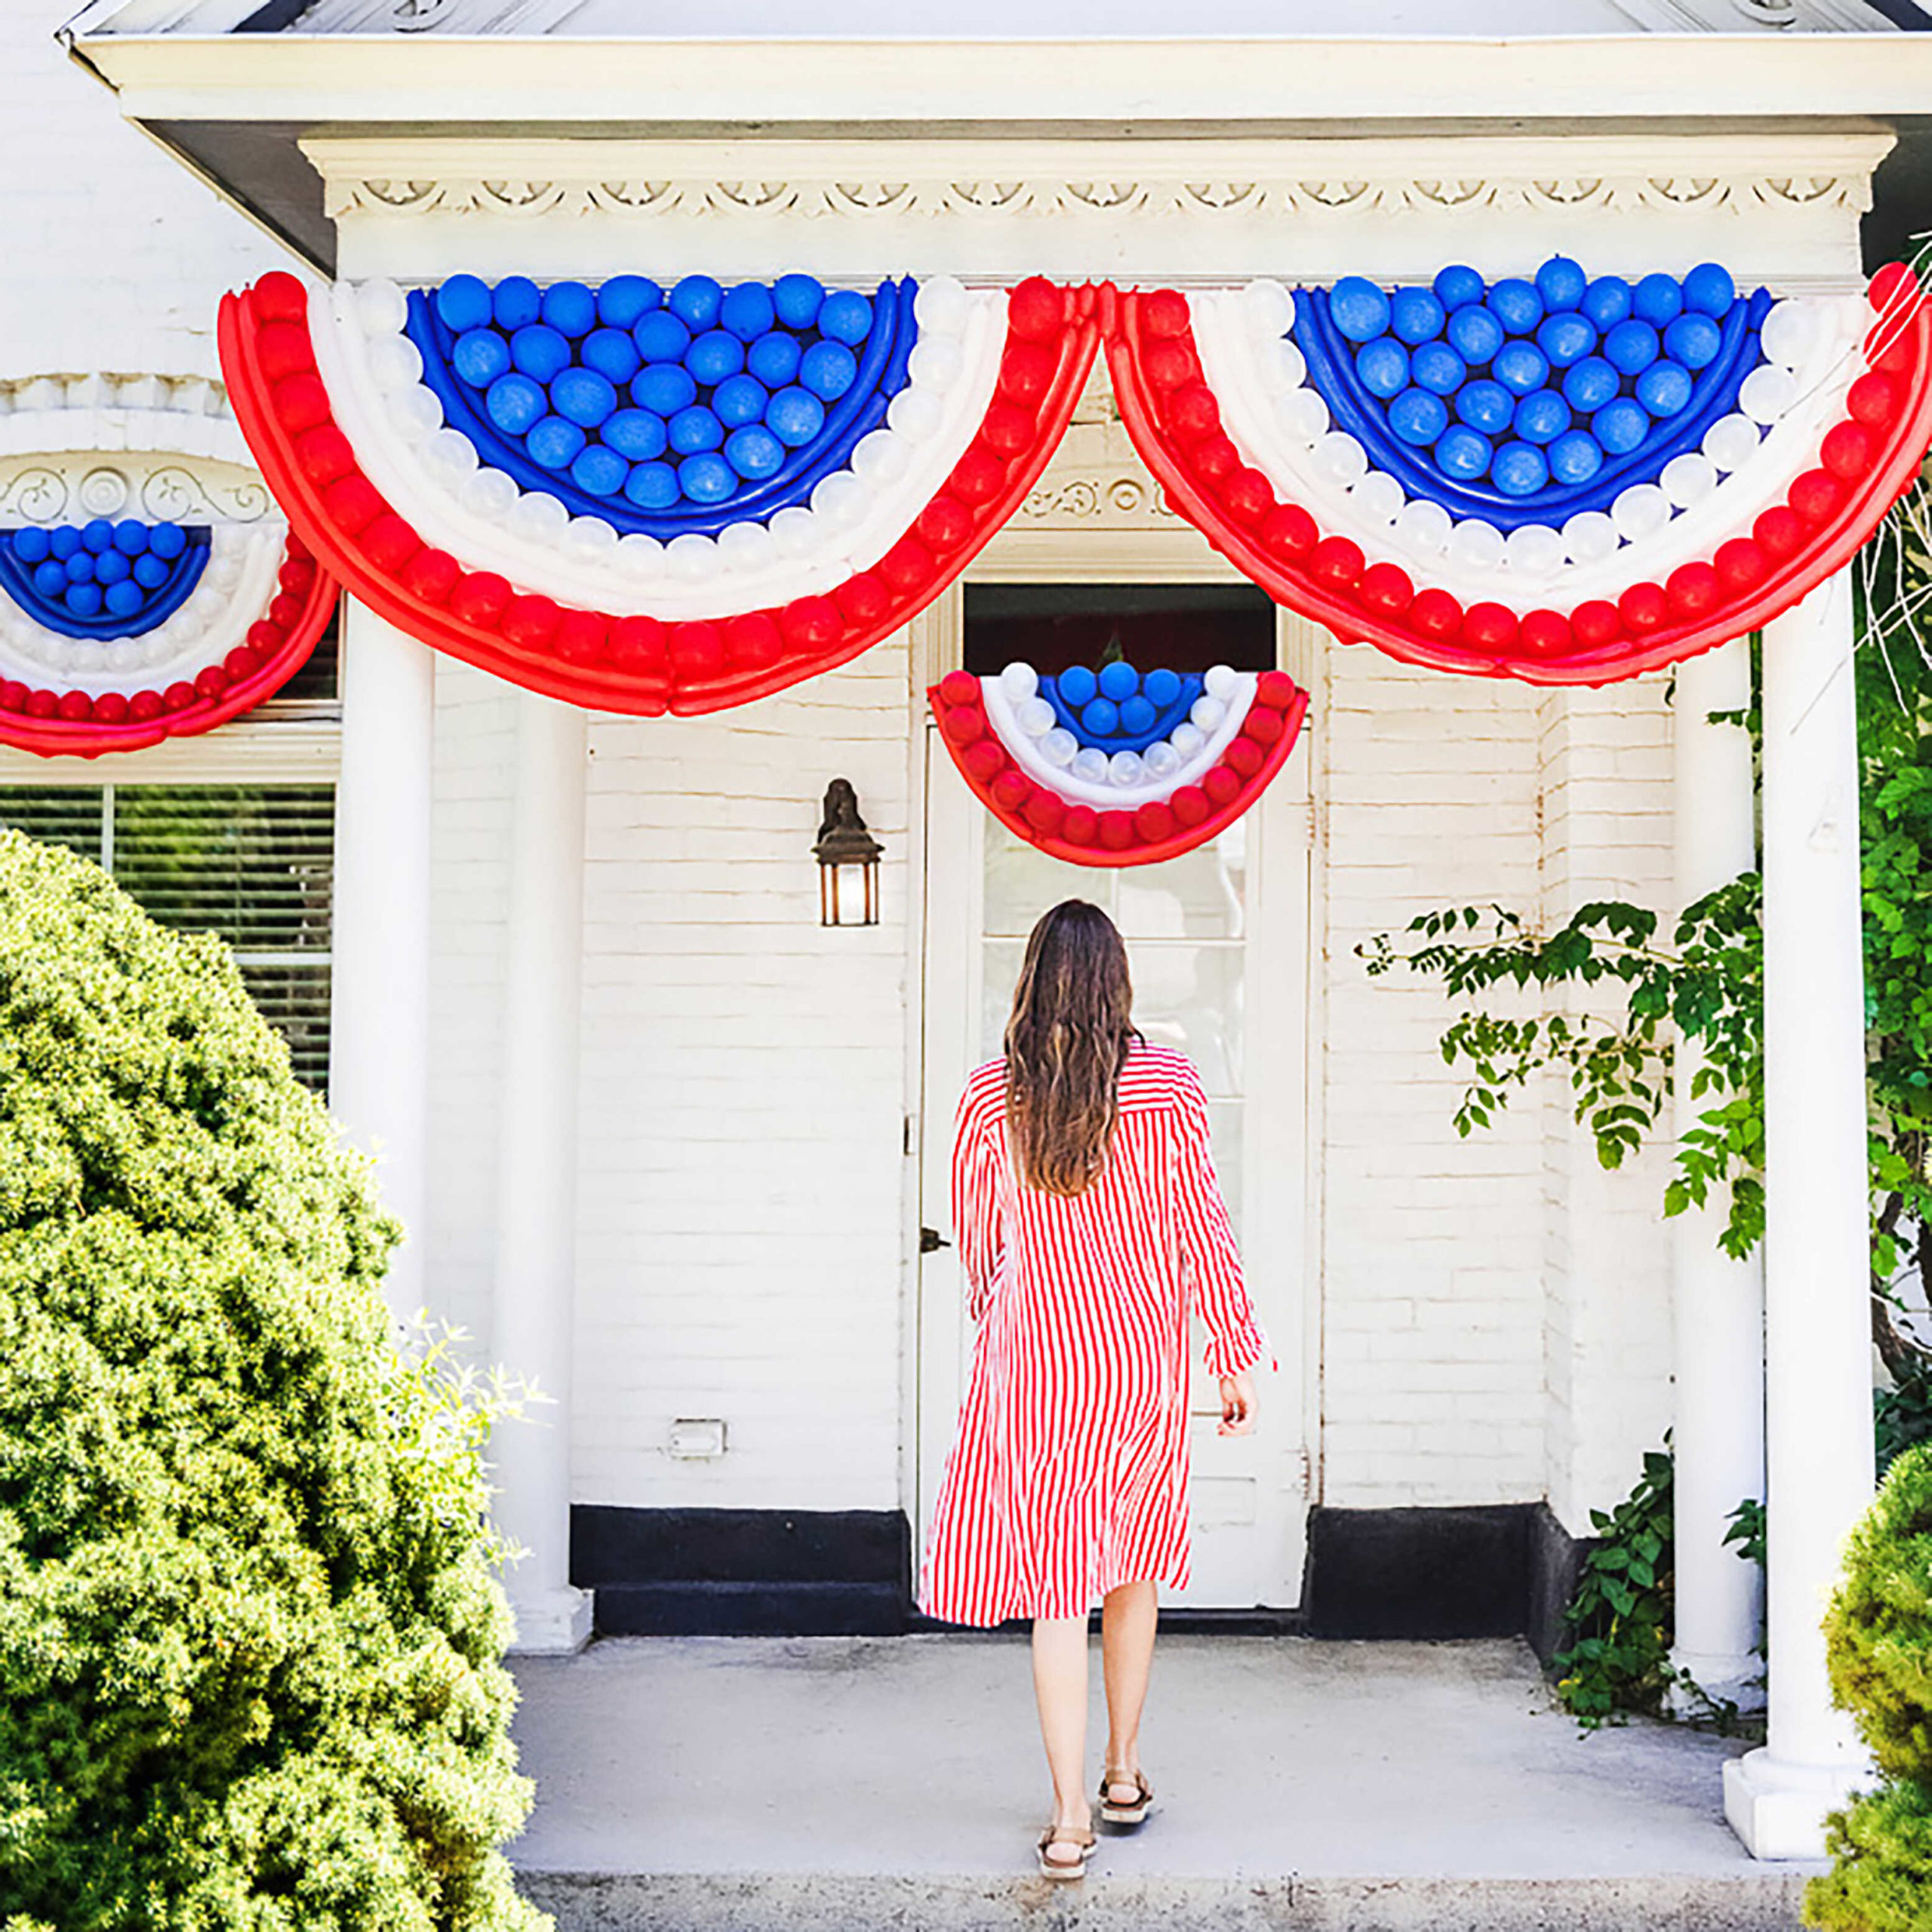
x=1218 y=943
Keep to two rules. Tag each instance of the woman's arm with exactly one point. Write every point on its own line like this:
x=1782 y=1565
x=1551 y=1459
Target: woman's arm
x=1212 y=1261
x=977 y=1215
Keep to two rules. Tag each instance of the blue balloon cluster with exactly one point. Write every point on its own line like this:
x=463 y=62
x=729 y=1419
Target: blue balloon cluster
x=1526 y=383
x=1117 y=708
x=654 y=396
x=101 y=571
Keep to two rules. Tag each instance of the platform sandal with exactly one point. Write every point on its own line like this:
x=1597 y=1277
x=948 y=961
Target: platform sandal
x=1126 y=1815
x=1072 y=1834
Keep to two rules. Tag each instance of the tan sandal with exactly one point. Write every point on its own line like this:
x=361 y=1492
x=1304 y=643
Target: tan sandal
x=1129 y=1816
x=1066 y=1869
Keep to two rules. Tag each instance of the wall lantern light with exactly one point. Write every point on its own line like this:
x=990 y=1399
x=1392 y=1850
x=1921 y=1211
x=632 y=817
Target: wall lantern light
x=848 y=856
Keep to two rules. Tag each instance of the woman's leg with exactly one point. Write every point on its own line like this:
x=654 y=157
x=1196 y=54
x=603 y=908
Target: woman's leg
x=1127 y=1619
x=1059 y=1684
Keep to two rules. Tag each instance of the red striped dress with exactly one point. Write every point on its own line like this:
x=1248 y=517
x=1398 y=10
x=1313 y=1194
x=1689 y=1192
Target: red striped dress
x=1069 y=1473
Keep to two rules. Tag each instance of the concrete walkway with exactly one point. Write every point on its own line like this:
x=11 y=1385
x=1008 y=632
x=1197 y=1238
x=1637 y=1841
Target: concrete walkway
x=694 y=1785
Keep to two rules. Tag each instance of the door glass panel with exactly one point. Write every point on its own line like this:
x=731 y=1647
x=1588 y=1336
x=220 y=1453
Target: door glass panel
x=1189 y=998
x=1022 y=882
x=1201 y=895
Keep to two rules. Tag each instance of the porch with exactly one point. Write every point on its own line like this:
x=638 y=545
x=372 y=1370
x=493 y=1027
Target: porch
x=686 y=1784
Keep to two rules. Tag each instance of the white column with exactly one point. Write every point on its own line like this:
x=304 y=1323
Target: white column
x=537 y=1176
x=379 y=1028
x=1818 y=1369
x=1717 y=1429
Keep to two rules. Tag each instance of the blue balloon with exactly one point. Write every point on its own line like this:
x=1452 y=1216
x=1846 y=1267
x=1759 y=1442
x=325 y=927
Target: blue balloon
x=1437 y=367
x=696 y=302
x=516 y=301
x=1162 y=687
x=582 y=396
x=797 y=298
x=1608 y=301
x=1457 y=286
x=1542 y=417
x=167 y=539
x=480 y=356
x=653 y=486
x=553 y=443
x=707 y=479
x=150 y=573
x=570 y=309
x=1708 y=289
x=1383 y=366
x=664 y=389
x=739 y=400
x=1589 y=384
x=612 y=353
x=1136 y=715
x=1561 y=282
x=514 y=403
x=464 y=302
x=1664 y=389
x=50 y=577
x=1486 y=406
x=1100 y=718
x=1516 y=305
x=1462 y=454
x=1631 y=346
x=63 y=541
x=636 y=434
x=1519 y=469
x=80 y=567
x=624 y=298
x=1119 y=681
x=110 y=567
x=130 y=538
x=829 y=369
x=747 y=311
x=83 y=600
x=1416 y=315
x=794 y=416
x=29 y=545
x=1520 y=367
x=1575 y=458
x=598 y=471
x=846 y=316
x=714 y=355
x=1475 y=335
x=1359 y=309
x=694 y=429
x=124 y=599
x=754 y=452
x=1659 y=300
x=1692 y=339
x=1620 y=426
x=1566 y=338
x=1076 y=686
x=661 y=337
x=99 y=535
x=1419 y=416
x=539 y=352
x=774 y=358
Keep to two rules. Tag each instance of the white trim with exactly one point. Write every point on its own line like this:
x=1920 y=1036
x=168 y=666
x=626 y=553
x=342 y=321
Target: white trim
x=252 y=750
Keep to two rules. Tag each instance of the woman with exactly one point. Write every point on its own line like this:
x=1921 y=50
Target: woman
x=1090 y=1221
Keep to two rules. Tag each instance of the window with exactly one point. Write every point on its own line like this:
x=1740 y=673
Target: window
x=253 y=864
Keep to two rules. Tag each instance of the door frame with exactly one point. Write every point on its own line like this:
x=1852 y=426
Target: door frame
x=936 y=638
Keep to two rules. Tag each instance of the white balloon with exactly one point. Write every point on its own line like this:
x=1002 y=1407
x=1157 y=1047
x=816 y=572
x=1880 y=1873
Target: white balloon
x=1270 y=308
x=1036 y=716
x=915 y=414
x=935 y=362
x=1161 y=758
x=381 y=307
x=1281 y=367
x=1060 y=747
x=1425 y=524
x=539 y=517
x=418 y=413
x=488 y=493
x=640 y=556
x=1019 y=681
x=1766 y=394
x=589 y=539
x=394 y=362
x=1221 y=681
x=1340 y=458
x=1125 y=768
x=1476 y=545
x=940 y=306
x=450 y=454
x=794 y=531
x=1639 y=512
x=1304 y=415
x=880 y=457
x=90 y=657
x=1790 y=333
x=745 y=548
x=1535 y=550
x=693 y=558
x=1378 y=499
x=841 y=499
x=1208 y=715
x=1688 y=479
x=1187 y=739
x=1090 y=765
x=1589 y=537
x=1730 y=442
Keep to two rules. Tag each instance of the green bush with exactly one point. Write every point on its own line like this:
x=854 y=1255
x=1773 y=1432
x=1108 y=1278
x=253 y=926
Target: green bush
x=251 y=1641
x=1879 y=1632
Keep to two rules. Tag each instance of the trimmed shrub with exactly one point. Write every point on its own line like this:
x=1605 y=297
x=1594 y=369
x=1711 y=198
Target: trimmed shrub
x=1879 y=1631
x=251 y=1641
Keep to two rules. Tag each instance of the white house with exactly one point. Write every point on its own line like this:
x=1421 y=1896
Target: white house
x=675 y=1148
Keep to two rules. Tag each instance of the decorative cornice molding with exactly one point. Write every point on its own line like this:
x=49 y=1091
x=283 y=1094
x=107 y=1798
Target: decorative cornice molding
x=75 y=486
x=178 y=415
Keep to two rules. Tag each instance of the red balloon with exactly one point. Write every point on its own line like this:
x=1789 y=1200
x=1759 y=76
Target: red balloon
x=1436 y=615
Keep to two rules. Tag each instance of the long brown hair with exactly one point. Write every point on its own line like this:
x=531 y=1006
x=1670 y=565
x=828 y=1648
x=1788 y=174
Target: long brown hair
x=1066 y=1044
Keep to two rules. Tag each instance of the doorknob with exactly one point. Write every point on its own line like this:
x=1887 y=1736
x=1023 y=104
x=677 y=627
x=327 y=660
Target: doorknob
x=931 y=1241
